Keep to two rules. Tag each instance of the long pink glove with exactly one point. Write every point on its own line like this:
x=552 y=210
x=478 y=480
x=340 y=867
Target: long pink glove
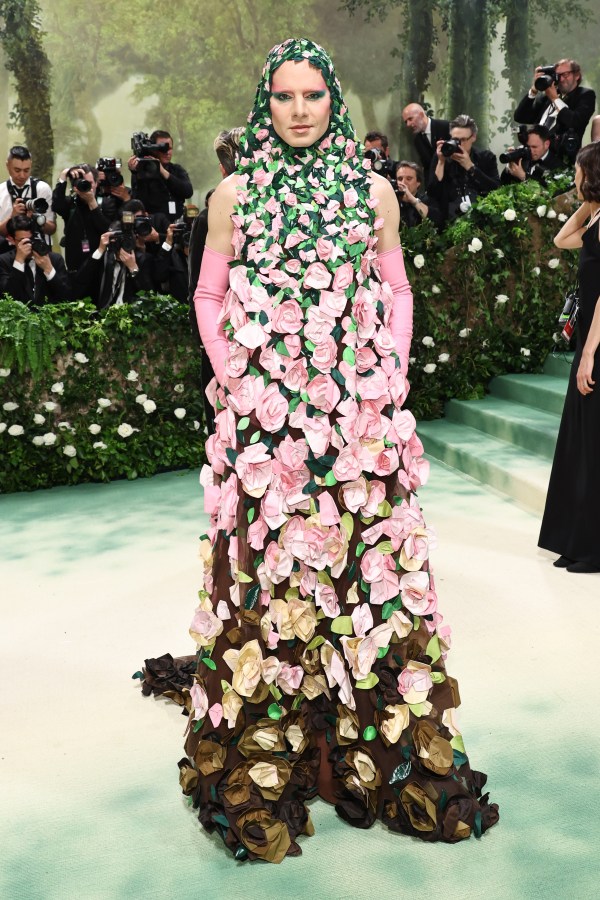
x=213 y=283
x=391 y=267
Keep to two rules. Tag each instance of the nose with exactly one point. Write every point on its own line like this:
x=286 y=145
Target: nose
x=300 y=108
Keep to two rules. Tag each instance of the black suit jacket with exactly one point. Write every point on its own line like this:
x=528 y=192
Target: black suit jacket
x=82 y=224
x=458 y=183
x=16 y=284
x=581 y=104
x=156 y=193
x=440 y=131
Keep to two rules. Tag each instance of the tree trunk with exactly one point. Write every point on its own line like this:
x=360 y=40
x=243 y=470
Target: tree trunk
x=516 y=49
x=21 y=39
x=417 y=62
x=468 y=64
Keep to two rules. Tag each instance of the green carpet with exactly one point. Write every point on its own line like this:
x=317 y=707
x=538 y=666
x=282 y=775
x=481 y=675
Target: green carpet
x=97 y=577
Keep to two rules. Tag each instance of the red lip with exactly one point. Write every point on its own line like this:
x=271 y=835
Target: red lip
x=301 y=127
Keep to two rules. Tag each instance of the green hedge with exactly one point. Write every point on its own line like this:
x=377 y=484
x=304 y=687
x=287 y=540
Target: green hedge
x=487 y=293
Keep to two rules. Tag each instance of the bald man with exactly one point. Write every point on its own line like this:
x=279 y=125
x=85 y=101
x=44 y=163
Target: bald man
x=426 y=132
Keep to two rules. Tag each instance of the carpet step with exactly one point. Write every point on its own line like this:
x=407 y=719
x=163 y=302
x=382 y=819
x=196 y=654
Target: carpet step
x=513 y=471
x=546 y=392
x=523 y=426
x=559 y=364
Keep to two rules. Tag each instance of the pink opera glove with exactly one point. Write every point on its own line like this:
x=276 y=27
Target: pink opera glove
x=391 y=267
x=213 y=284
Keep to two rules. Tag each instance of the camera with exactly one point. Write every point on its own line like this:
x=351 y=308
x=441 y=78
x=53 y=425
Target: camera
x=142 y=147
x=38 y=205
x=569 y=144
x=450 y=147
x=515 y=155
x=38 y=241
x=110 y=165
x=132 y=226
x=183 y=228
x=78 y=181
x=379 y=162
x=543 y=82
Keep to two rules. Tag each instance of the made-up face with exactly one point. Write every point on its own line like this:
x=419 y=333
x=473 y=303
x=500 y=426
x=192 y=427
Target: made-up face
x=300 y=103
x=19 y=170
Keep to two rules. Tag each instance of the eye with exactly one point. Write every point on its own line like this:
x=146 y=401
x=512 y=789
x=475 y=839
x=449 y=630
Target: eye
x=315 y=95
x=282 y=96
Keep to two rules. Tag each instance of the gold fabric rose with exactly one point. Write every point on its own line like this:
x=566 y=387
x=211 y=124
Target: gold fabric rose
x=209 y=757
x=434 y=751
x=392 y=721
x=188 y=778
x=265 y=735
x=270 y=774
x=365 y=767
x=264 y=836
x=303 y=619
x=231 y=703
x=346 y=725
x=238 y=787
x=419 y=808
x=246 y=665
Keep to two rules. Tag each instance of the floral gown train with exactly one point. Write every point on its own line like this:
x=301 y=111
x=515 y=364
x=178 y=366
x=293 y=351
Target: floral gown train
x=321 y=663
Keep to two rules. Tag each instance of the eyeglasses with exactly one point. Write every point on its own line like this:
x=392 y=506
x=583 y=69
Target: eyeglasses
x=564 y=74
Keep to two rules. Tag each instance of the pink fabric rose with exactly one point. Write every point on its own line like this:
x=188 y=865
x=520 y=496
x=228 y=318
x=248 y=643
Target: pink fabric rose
x=326 y=598
x=354 y=494
x=296 y=375
x=348 y=465
x=317 y=276
x=323 y=393
x=287 y=317
x=414 y=588
x=324 y=355
x=414 y=682
x=344 y=275
x=272 y=408
x=290 y=455
x=293 y=345
x=199 y=701
x=244 y=394
x=254 y=466
x=289 y=678
x=350 y=198
x=271 y=508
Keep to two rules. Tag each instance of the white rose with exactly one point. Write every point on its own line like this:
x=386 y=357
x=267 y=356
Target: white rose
x=475 y=245
x=16 y=430
x=80 y=358
x=38 y=419
x=141 y=398
x=553 y=263
x=132 y=375
x=464 y=332
x=124 y=430
x=435 y=289
x=536 y=270
x=443 y=357
x=49 y=439
x=499 y=253
x=179 y=389
x=4 y=373
x=500 y=299
x=70 y=450
x=428 y=341
x=2 y=427
x=58 y=387
x=525 y=351
x=99 y=445
x=419 y=261
x=65 y=426
x=551 y=214
x=149 y=406
x=38 y=440
x=429 y=368
x=104 y=402
x=562 y=217
x=556 y=337
x=180 y=413
x=49 y=405
x=541 y=211
x=94 y=429
x=510 y=215
x=412 y=360
x=196 y=425
x=10 y=406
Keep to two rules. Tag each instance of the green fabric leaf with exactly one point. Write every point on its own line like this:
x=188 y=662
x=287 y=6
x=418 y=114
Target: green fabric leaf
x=275 y=711
x=370 y=733
x=275 y=691
x=433 y=649
x=210 y=663
x=348 y=524
x=382 y=652
x=252 y=597
x=243 y=423
x=244 y=579
x=367 y=683
x=385 y=548
x=255 y=437
x=438 y=677
x=316 y=642
x=330 y=479
x=250 y=515
x=198 y=725
x=342 y=625
x=360 y=547
x=400 y=772
x=348 y=356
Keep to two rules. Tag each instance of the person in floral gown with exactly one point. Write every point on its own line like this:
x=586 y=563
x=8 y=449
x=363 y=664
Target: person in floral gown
x=321 y=651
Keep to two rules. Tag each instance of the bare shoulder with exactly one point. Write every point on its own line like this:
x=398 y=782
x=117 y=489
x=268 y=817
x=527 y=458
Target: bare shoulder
x=225 y=194
x=382 y=189
x=388 y=209
x=221 y=207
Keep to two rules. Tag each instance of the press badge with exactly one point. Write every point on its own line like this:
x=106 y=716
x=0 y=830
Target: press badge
x=172 y=208
x=85 y=246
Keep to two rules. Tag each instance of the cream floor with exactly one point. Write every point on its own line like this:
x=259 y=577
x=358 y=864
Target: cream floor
x=95 y=578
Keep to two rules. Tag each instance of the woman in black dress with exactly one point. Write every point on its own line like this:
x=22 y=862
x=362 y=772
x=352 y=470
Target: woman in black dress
x=570 y=525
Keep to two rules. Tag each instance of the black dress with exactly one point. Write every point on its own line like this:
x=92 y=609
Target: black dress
x=571 y=523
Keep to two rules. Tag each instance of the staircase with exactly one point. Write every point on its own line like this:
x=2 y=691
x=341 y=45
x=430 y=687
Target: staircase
x=505 y=441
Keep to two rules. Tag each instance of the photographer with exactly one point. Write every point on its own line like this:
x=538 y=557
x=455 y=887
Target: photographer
x=377 y=149
x=120 y=267
x=111 y=191
x=533 y=160
x=22 y=194
x=29 y=272
x=160 y=184
x=557 y=101
x=426 y=132
x=415 y=205
x=171 y=264
x=84 y=219
x=460 y=173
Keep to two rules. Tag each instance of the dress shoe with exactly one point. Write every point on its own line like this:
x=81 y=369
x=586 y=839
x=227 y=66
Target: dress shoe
x=562 y=562
x=582 y=567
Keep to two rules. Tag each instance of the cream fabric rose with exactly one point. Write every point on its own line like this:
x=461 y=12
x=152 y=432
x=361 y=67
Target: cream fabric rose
x=392 y=728
x=94 y=428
